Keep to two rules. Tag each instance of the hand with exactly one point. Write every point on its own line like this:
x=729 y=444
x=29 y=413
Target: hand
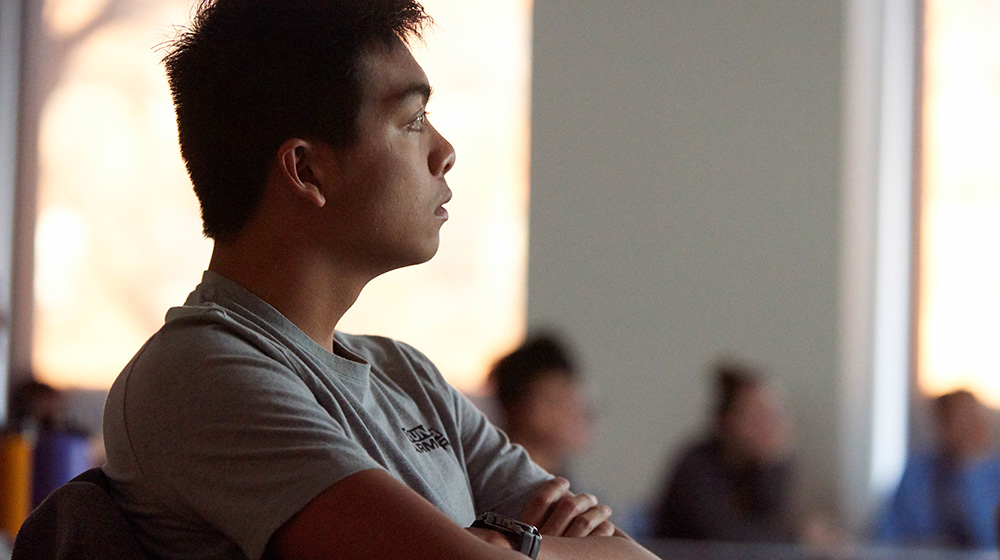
x=558 y=512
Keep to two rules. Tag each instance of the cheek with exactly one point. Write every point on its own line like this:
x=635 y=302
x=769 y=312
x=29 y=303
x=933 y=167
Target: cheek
x=377 y=194
x=562 y=419
x=537 y=414
x=394 y=187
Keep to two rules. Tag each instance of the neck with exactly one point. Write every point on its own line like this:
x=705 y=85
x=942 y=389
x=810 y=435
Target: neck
x=310 y=291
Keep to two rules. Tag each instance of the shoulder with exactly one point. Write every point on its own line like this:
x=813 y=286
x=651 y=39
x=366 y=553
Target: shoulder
x=920 y=463
x=985 y=470
x=200 y=361
x=191 y=332
x=917 y=474
x=702 y=451
x=992 y=460
x=698 y=459
x=198 y=350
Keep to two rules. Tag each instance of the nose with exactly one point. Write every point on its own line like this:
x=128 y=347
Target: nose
x=442 y=155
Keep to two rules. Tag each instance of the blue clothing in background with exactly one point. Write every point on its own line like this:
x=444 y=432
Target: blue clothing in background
x=939 y=503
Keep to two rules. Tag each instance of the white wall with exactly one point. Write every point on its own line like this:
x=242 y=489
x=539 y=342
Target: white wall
x=685 y=205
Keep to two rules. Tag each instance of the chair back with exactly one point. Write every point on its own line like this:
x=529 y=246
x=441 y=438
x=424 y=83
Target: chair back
x=79 y=520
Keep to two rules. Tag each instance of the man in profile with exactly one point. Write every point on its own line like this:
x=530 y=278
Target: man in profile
x=248 y=426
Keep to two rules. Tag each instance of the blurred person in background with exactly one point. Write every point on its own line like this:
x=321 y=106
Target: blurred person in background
x=948 y=496
x=542 y=402
x=734 y=484
x=37 y=406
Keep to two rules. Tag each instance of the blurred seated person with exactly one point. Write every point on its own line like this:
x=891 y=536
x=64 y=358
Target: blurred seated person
x=37 y=406
x=734 y=484
x=542 y=404
x=948 y=497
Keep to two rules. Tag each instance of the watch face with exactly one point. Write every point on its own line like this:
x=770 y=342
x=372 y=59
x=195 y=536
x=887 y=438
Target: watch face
x=505 y=522
x=508 y=523
x=524 y=538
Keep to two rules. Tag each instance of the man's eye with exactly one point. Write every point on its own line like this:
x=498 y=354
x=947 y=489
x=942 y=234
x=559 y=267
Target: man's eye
x=417 y=124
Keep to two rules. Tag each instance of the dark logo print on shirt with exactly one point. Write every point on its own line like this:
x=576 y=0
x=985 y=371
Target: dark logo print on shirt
x=426 y=439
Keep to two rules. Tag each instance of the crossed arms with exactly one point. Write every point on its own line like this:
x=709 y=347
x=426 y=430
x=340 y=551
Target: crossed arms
x=372 y=516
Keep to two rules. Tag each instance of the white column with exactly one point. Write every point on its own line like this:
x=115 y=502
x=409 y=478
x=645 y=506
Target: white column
x=876 y=250
x=10 y=58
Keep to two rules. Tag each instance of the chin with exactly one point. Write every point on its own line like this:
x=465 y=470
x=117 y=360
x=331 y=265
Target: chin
x=429 y=250
x=418 y=257
x=395 y=255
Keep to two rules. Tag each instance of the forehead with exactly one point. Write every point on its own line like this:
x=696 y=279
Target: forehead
x=390 y=75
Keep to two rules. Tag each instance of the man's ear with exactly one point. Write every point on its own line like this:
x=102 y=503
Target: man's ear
x=298 y=166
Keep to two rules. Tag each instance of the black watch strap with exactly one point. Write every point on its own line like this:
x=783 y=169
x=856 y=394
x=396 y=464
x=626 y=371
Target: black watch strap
x=523 y=538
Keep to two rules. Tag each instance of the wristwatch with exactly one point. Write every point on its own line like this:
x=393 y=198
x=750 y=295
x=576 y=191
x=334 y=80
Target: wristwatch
x=523 y=537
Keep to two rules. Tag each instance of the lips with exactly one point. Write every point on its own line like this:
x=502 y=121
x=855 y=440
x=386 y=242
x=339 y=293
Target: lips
x=441 y=211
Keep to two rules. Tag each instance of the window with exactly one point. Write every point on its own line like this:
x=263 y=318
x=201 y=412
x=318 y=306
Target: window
x=959 y=272
x=118 y=239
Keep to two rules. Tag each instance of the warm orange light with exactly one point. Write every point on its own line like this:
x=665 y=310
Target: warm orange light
x=119 y=240
x=63 y=18
x=959 y=303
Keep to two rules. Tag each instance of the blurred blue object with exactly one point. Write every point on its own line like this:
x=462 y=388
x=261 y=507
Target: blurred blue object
x=713 y=550
x=59 y=456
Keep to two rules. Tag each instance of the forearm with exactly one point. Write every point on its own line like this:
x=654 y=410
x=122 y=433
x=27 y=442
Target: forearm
x=620 y=546
x=593 y=548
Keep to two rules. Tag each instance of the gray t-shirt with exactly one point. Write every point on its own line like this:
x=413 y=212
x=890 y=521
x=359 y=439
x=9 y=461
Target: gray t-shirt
x=230 y=419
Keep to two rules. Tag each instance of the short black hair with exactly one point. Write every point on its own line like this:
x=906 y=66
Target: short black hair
x=539 y=356
x=25 y=402
x=247 y=75
x=732 y=378
x=945 y=404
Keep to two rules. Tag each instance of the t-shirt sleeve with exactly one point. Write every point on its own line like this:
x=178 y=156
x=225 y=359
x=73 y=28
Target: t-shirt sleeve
x=240 y=440
x=501 y=474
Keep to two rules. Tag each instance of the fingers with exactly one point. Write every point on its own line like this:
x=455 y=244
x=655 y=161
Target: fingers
x=608 y=529
x=593 y=522
x=539 y=507
x=560 y=513
x=569 y=509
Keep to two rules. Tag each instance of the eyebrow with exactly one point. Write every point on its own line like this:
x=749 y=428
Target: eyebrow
x=421 y=89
